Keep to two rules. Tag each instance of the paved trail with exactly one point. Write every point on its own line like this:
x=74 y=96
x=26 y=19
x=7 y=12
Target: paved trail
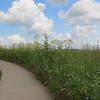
x=19 y=84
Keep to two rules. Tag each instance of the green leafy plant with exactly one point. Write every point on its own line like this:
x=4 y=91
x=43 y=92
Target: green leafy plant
x=68 y=73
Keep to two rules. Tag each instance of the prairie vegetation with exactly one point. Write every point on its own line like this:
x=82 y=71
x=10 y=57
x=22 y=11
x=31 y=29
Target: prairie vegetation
x=68 y=73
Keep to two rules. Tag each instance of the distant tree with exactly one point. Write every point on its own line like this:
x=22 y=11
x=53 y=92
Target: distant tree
x=53 y=44
x=67 y=43
x=58 y=44
x=88 y=46
x=46 y=44
x=37 y=45
x=61 y=44
x=98 y=42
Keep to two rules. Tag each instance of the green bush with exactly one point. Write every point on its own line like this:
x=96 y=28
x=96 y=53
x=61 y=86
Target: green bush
x=69 y=74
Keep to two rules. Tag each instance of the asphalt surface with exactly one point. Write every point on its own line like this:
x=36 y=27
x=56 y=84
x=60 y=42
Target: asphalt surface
x=19 y=84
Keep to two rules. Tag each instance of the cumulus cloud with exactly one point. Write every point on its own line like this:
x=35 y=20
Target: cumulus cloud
x=28 y=14
x=12 y=39
x=85 y=31
x=61 y=36
x=84 y=19
x=83 y=12
x=15 y=38
x=59 y=2
x=41 y=6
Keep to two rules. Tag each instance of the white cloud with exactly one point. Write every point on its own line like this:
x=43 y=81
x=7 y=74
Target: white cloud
x=2 y=40
x=41 y=6
x=84 y=19
x=15 y=38
x=85 y=31
x=12 y=39
x=59 y=2
x=83 y=12
x=59 y=36
x=28 y=14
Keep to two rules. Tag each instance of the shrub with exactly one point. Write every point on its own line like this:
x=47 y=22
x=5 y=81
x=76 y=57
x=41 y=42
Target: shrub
x=69 y=74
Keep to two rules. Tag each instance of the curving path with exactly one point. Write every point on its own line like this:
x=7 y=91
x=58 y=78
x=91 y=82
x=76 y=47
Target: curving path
x=19 y=84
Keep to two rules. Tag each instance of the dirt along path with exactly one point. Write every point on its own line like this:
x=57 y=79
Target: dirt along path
x=19 y=84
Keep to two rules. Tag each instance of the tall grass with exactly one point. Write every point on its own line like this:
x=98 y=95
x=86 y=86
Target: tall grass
x=69 y=74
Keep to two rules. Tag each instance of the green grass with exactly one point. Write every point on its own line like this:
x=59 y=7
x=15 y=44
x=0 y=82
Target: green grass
x=69 y=74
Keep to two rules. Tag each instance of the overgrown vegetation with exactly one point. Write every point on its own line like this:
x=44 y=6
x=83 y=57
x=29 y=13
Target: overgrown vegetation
x=69 y=74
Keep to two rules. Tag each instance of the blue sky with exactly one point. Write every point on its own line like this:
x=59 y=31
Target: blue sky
x=51 y=12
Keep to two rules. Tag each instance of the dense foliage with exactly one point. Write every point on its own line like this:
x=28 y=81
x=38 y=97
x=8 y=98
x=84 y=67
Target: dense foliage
x=69 y=74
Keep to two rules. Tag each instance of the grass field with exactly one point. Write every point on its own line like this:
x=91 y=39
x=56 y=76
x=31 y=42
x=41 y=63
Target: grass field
x=69 y=74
